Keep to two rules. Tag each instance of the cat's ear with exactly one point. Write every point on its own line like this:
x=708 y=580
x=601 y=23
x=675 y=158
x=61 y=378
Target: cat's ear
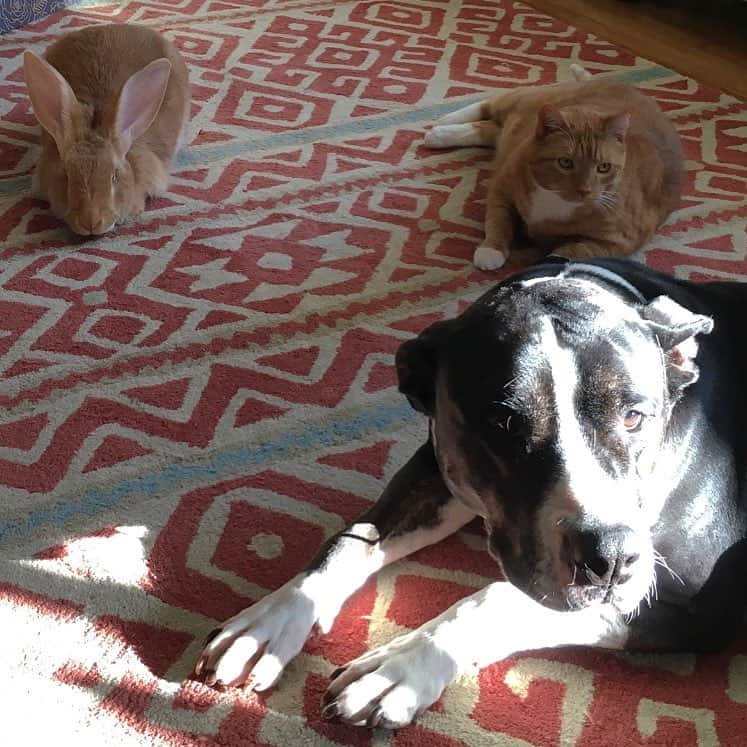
x=550 y=120
x=617 y=126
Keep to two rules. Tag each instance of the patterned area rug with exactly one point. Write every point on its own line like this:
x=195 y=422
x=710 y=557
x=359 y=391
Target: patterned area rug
x=190 y=406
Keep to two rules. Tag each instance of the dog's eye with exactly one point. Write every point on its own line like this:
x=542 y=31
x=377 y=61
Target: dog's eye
x=565 y=163
x=632 y=420
x=603 y=168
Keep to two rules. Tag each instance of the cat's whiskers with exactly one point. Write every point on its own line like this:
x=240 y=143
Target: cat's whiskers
x=607 y=201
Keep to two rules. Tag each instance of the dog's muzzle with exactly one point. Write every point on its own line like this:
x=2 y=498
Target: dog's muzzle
x=601 y=558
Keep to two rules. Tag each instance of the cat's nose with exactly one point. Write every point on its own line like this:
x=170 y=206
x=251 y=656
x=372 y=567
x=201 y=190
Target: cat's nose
x=584 y=190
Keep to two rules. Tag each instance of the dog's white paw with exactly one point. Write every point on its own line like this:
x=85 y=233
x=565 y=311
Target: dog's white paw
x=488 y=258
x=391 y=685
x=260 y=641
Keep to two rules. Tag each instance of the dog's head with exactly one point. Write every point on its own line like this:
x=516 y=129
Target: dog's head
x=550 y=403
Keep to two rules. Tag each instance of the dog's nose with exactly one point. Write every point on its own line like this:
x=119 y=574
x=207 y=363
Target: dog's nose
x=603 y=557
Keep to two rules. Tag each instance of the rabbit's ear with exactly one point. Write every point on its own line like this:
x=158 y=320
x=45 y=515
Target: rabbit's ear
x=139 y=102
x=51 y=97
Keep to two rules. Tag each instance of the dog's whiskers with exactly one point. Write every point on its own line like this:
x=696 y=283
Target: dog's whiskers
x=659 y=559
x=635 y=612
x=573 y=580
x=510 y=382
x=651 y=595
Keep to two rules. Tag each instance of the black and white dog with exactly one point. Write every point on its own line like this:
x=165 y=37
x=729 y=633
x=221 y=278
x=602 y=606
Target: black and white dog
x=594 y=415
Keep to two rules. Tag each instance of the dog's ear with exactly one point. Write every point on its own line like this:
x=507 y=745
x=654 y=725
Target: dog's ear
x=417 y=366
x=676 y=329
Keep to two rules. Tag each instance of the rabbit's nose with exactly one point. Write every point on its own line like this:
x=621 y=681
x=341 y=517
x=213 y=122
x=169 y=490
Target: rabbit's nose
x=87 y=221
x=103 y=226
x=78 y=226
x=94 y=222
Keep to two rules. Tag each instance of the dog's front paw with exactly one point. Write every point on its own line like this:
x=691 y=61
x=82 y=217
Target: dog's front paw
x=260 y=641
x=488 y=258
x=391 y=685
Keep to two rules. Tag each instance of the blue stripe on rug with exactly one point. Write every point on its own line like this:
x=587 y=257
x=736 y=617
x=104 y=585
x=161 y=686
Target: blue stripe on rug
x=375 y=420
x=204 y=155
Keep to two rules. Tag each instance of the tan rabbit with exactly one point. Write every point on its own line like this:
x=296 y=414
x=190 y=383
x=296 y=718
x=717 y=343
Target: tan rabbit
x=113 y=102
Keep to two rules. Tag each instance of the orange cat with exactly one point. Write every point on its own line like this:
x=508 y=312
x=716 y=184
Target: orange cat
x=587 y=168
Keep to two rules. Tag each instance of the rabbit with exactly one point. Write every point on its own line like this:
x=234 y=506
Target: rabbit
x=113 y=103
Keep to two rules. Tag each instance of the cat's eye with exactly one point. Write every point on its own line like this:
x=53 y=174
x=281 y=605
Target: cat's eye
x=603 y=168
x=632 y=420
x=565 y=163
x=115 y=176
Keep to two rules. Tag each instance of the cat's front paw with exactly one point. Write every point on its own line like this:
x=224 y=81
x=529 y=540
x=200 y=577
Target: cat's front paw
x=391 y=685
x=489 y=258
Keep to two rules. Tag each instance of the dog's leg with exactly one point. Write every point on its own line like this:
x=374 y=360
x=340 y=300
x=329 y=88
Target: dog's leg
x=391 y=685
x=415 y=510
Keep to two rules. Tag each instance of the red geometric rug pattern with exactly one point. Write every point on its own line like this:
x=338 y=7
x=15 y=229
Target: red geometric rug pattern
x=191 y=405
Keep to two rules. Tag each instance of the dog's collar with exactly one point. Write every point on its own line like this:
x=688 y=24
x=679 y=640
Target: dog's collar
x=570 y=268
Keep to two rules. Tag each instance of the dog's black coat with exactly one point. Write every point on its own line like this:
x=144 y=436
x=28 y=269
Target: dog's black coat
x=594 y=414
x=713 y=573
x=701 y=607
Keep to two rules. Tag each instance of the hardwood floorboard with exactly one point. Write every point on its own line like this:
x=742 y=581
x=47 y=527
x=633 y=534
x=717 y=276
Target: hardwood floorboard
x=705 y=41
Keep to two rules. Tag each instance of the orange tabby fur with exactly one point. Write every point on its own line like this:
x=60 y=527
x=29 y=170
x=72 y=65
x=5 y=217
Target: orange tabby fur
x=600 y=126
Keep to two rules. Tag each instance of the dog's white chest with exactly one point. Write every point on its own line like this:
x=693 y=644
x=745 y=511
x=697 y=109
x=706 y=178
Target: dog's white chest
x=546 y=205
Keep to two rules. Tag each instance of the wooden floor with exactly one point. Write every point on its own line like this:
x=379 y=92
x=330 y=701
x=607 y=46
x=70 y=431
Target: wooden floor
x=709 y=44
